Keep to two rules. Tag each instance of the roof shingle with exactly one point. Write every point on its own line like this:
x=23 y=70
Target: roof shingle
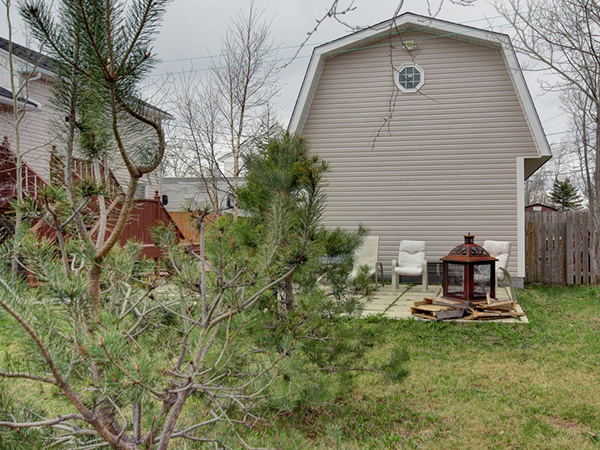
x=31 y=56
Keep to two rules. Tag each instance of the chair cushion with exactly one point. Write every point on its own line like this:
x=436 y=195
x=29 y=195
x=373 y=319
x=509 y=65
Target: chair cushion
x=411 y=255
x=408 y=259
x=496 y=248
x=409 y=271
x=412 y=247
x=501 y=251
x=500 y=275
x=366 y=255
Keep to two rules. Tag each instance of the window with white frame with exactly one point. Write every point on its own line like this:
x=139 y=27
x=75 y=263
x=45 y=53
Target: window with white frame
x=409 y=77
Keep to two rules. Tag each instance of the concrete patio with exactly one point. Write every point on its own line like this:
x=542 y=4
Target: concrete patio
x=396 y=305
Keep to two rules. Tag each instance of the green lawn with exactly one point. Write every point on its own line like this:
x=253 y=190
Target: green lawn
x=471 y=385
x=478 y=385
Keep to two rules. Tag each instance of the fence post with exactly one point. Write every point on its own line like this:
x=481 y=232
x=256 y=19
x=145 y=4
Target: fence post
x=530 y=253
x=569 y=237
x=539 y=249
x=585 y=230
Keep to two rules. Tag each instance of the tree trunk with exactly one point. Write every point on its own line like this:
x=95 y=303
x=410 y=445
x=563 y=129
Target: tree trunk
x=18 y=157
x=94 y=288
x=236 y=174
x=288 y=294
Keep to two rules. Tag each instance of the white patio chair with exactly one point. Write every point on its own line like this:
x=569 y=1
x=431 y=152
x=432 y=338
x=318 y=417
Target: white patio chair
x=501 y=251
x=368 y=255
x=411 y=262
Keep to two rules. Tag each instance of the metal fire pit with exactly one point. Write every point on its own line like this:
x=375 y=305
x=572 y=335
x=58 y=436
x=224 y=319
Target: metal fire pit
x=469 y=273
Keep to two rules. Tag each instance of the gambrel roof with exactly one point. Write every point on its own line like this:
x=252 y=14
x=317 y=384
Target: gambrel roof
x=434 y=27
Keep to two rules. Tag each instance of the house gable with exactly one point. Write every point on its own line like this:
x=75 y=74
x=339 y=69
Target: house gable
x=400 y=28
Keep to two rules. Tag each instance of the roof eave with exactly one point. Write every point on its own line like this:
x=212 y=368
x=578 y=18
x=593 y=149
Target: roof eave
x=527 y=105
x=33 y=68
x=29 y=105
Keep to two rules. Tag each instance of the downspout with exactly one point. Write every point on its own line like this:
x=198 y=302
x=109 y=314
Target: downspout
x=521 y=217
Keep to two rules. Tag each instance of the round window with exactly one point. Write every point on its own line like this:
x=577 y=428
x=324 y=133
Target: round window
x=409 y=77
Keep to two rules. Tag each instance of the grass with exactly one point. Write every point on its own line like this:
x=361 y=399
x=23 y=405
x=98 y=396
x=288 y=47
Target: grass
x=470 y=386
x=477 y=386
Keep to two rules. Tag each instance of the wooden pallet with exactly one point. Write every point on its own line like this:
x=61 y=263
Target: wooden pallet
x=434 y=308
x=428 y=310
x=487 y=314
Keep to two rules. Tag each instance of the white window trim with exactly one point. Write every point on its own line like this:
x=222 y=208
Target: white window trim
x=400 y=69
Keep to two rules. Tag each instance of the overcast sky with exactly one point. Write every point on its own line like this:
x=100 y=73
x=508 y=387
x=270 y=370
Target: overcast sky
x=192 y=31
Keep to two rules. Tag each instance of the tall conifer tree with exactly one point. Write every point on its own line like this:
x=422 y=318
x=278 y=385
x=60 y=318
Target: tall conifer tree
x=565 y=195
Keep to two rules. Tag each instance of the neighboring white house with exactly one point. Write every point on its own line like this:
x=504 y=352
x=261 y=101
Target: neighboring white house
x=41 y=127
x=36 y=130
x=429 y=131
x=190 y=193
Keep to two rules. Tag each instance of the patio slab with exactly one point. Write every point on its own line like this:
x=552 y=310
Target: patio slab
x=396 y=304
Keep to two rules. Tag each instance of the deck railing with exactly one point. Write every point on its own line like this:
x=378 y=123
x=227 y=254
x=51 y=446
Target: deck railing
x=84 y=169
x=146 y=213
x=31 y=181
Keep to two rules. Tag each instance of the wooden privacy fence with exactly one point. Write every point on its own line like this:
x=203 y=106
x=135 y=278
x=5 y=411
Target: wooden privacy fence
x=185 y=222
x=557 y=247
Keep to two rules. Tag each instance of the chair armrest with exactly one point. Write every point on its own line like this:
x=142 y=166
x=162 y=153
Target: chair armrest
x=394 y=275
x=379 y=263
x=511 y=286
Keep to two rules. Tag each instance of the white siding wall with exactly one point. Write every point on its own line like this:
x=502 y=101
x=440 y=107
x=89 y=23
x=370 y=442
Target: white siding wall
x=191 y=192
x=445 y=163
x=39 y=130
x=36 y=130
x=138 y=139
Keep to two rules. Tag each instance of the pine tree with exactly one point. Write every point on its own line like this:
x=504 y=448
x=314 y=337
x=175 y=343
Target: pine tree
x=565 y=195
x=103 y=50
x=204 y=357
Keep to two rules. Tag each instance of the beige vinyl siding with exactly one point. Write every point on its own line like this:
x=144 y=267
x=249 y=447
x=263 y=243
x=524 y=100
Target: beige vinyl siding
x=431 y=165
